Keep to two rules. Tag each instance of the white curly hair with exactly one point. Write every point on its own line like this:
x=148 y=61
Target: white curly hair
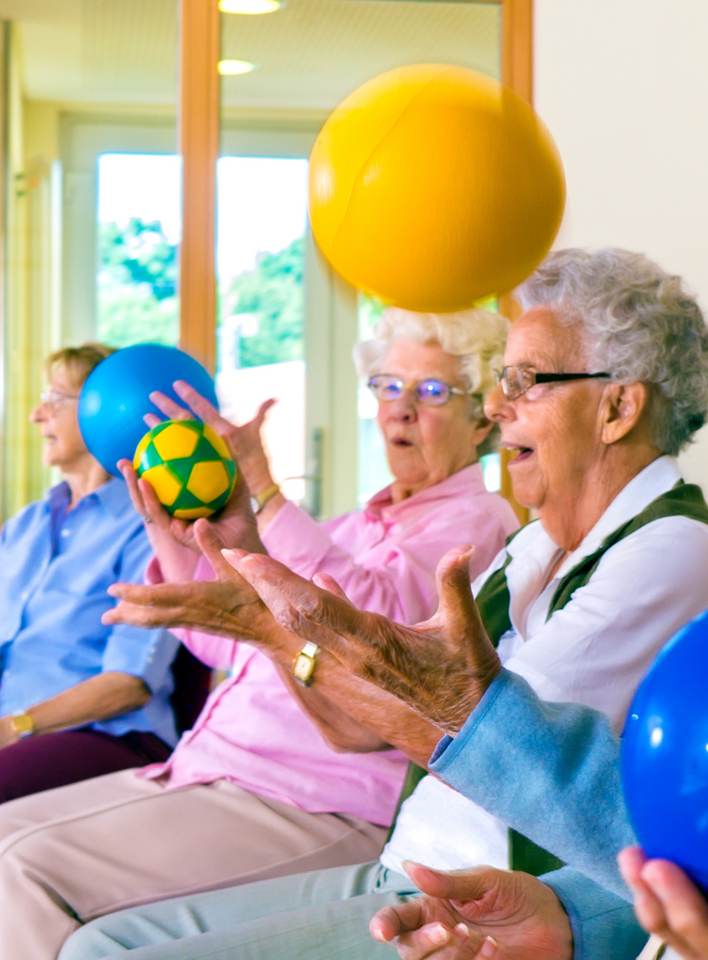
x=476 y=336
x=640 y=324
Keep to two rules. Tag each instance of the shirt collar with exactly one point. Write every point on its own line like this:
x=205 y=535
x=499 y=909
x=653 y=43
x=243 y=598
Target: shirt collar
x=468 y=480
x=112 y=495
x=660 y=476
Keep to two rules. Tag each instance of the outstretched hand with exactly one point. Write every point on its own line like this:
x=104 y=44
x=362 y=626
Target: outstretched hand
x=667 y=903
x=477 y=914
x=226 y=606
x=243 y=441
x=441 y=668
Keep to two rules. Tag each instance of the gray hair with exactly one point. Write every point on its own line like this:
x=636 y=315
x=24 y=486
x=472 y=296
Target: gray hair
x=476 y=336
x=640 y=323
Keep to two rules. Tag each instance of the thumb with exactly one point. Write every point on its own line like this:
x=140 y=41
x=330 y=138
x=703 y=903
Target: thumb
x=461 y=885
x=263 y=410
x=329 y=584
x=457 y=608
x=211 y=545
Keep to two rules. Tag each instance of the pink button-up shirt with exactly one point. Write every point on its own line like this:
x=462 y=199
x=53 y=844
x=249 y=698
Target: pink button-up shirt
x=252 y=730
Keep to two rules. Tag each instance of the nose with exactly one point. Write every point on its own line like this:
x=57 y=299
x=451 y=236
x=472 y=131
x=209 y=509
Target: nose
x=403 y=409
x=497 y=407
x=39 y=413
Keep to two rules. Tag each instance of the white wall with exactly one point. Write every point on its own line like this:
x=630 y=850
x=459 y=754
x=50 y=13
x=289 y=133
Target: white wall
x=623 y=87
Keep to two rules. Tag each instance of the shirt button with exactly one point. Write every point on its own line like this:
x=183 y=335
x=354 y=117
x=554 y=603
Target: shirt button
x=65 y=533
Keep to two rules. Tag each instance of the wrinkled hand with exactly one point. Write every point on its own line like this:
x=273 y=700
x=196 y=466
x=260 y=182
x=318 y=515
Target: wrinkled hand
x=667 y=903
x=477 y=914
x=227 y=606
x=235 y=522
x=243 y=441
x=441 y=668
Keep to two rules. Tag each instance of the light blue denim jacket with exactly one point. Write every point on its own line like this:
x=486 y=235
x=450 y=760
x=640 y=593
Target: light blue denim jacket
x=565 y=795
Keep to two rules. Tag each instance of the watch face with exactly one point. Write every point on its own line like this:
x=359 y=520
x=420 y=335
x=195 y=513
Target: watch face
x=255 y=505
x=304 y=667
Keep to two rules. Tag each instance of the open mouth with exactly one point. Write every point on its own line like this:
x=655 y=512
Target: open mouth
x=522 y=453
x=400 y=442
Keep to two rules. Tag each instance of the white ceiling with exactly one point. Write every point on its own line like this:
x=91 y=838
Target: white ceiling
x=309 y=54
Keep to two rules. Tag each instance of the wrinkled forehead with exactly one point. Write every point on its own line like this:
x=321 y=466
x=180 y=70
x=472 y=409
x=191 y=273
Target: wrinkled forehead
x=414 y=360
x=538 y=339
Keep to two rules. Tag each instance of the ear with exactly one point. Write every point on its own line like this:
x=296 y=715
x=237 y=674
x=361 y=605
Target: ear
x=482 y=430
x=622 y=409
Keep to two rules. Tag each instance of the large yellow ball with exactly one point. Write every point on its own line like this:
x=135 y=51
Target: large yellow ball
x=433 y=186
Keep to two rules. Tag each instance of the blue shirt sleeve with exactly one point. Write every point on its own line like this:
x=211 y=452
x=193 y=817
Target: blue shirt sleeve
x=567 y=758
x=603 y=924
x=146 y=654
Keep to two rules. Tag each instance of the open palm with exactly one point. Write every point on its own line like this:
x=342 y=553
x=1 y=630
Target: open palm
x=462 y=910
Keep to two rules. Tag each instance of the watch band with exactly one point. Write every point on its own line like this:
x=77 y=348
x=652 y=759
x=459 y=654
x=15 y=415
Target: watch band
x=22 y=724
x=305 y=663
x=259 y=500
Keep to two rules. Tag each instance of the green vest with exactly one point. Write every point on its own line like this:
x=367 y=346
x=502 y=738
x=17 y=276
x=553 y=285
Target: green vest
x=493 y=600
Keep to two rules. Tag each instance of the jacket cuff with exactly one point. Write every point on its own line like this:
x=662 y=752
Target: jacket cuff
x=604 y=926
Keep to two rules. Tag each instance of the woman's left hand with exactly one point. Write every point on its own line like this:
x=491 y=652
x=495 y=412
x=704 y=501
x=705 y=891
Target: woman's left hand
x=477 y=914
x=7 y=732
x=243 y=441
x=441 y=668
x=227 y=606
x=667 y=903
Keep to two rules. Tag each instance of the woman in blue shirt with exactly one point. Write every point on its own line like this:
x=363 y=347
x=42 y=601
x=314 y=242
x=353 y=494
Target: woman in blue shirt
x=77 y=699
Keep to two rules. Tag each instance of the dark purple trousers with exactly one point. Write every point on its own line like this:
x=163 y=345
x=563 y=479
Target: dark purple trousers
x=55 y=759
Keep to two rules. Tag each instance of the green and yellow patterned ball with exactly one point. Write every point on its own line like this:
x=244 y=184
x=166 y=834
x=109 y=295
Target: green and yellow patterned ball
x=188 y=466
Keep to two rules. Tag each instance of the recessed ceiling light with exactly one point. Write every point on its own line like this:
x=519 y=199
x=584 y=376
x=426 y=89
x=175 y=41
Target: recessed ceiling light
x=250 y=6
x=232 y=68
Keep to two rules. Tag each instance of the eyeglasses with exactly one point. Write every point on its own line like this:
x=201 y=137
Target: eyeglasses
x=428 y=393
x=55 y=398
x=516 y=381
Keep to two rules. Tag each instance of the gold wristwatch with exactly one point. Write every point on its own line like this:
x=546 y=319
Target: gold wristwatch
x=22 y=724
x=305 y=663
x=259 y=500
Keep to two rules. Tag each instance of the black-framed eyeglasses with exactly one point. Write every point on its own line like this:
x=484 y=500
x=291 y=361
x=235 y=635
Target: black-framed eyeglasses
x=429 y=393
x=516 y=381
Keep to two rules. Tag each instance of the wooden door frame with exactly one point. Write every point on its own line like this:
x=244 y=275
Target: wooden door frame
x=198 y=123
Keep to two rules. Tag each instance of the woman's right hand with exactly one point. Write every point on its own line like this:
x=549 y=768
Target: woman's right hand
x=667 y=903
x=170 y=539
x=235 y=524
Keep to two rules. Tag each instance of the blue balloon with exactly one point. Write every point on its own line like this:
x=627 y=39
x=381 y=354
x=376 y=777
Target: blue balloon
x=115 y=397
x=664 y=754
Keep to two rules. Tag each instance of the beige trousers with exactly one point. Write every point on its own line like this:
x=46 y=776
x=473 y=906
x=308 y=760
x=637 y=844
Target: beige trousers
x=78 y=852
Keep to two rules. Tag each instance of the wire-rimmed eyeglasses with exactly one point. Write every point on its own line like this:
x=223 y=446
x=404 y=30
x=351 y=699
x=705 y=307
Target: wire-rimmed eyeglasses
x=55 y=398
x=516 y=381
x=428 y=393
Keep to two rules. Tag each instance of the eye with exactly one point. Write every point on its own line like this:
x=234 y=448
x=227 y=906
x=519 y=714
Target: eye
x=432 y=388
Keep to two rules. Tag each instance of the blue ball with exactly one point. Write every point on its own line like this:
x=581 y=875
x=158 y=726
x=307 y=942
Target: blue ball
x=115 y=397
x=664 y=754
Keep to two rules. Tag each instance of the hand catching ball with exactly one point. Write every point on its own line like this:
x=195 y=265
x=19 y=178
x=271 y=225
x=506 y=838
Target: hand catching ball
x=188 y=466
x=665 y=754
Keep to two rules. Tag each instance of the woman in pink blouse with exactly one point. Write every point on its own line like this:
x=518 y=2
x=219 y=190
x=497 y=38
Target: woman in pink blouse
x=262 y=792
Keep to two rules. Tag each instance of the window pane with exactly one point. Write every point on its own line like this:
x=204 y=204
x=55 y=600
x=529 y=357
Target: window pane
x=260 y=259
x=139 y=228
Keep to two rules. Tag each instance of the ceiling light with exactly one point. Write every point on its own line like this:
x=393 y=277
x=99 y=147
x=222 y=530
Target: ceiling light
x=232 y=68
x=250 y=6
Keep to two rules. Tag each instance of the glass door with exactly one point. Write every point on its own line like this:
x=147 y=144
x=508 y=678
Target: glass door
x=261 y=225
x=282 y=74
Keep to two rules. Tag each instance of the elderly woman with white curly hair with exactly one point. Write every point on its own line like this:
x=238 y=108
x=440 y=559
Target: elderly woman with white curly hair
x=263 y=791
x=605 y=380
